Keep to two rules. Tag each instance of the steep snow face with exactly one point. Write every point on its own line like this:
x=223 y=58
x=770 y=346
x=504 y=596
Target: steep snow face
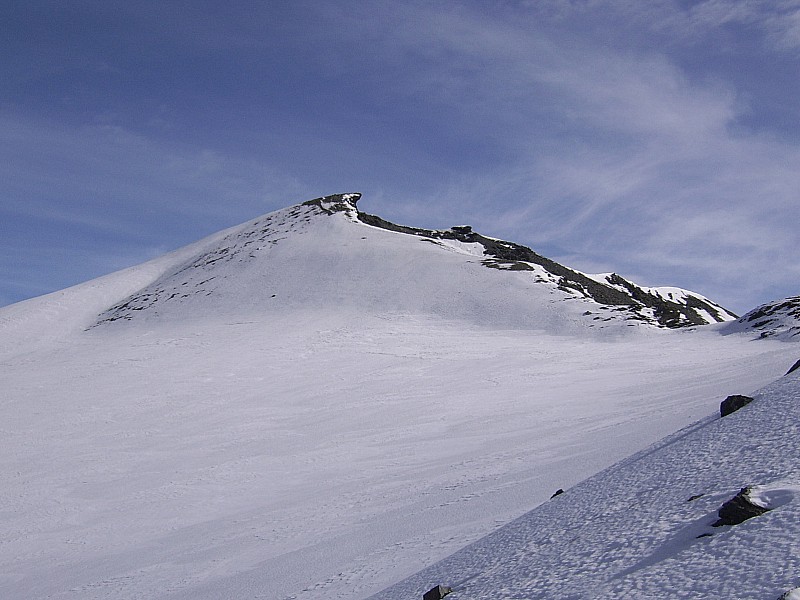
x=644 y=528
x=779 y=320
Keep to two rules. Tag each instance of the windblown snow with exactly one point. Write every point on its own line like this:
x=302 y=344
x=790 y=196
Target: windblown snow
x=307 y=406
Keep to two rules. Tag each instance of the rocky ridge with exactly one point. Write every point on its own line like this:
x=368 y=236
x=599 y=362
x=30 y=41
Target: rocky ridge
x=666 y=309
x=779 y=319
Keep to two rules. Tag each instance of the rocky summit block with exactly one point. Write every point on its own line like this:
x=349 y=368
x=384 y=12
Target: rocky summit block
x=733 y=403
x=738 y=509
x=436 y=593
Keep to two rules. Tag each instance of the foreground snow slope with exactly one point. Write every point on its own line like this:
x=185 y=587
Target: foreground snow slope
x=317 y=413
x=643 y=528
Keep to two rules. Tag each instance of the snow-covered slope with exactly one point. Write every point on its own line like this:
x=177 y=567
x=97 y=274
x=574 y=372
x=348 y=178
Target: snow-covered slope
x=645 y=528
x=319 y=256
x=314 y=405
x=779 y=320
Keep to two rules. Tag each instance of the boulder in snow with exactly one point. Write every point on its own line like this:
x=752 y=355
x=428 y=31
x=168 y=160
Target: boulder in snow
x=738 y=509
x=733 y=403
x=795 y=366
x=436 y=593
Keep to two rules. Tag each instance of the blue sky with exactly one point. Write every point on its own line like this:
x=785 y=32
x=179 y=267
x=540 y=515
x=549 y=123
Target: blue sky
x=657 y=139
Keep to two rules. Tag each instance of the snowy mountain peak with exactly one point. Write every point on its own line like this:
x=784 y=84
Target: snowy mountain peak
x=325 y=252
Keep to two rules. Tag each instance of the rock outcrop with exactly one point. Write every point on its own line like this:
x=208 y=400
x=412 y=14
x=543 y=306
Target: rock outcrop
x=738 y=509
x=733 y=403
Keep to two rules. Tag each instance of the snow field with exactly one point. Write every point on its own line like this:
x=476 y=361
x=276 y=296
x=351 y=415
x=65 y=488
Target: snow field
x=306 y=407
x=642 y=529
x=319 y=458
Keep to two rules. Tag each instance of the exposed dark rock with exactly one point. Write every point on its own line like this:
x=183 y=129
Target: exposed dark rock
x=695 y=497
x=779 y=318
x=507 y=265
x=791 y=594
x=795 y=366
x=790 y=305
x=733 y=403
x=436 y=593
x=558 y=492
x=335 y=202
x=738 y=509
x=670 y=314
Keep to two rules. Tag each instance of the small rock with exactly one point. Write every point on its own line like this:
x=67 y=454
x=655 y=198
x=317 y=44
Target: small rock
x=733 y=403
x=436 y=593
x=795 y=366
x=738 y=509
x=558 y=492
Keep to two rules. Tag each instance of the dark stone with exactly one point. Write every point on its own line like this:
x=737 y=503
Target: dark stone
x=795 y=366
x=462 y=229
x=738 y=509
x=558 y=492
x=335 y=202
x=733 y=403
x=695 y=497
x=506 y=265
x=436 y=593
